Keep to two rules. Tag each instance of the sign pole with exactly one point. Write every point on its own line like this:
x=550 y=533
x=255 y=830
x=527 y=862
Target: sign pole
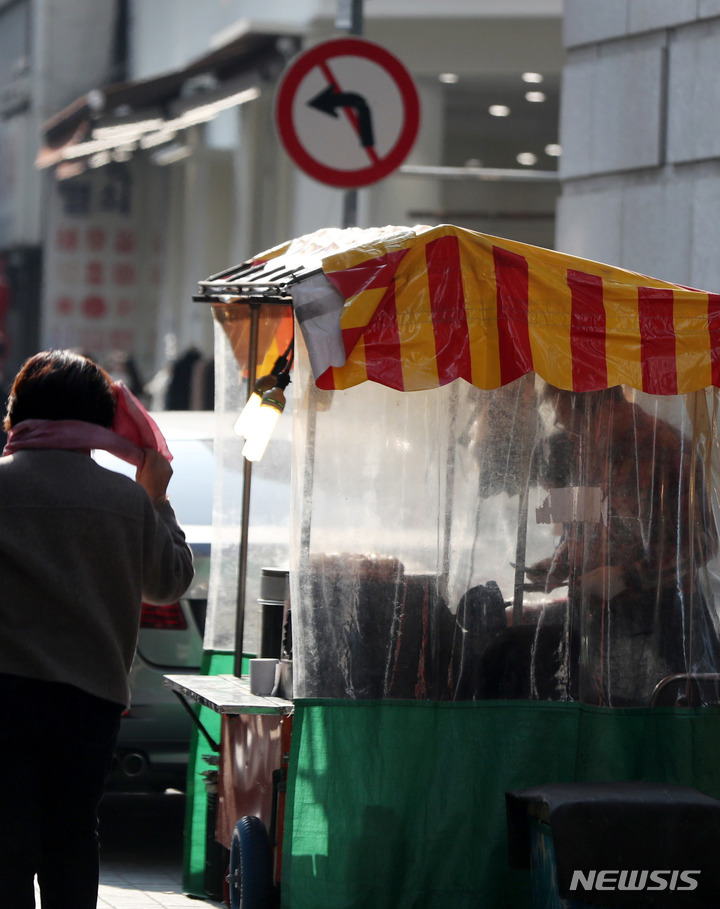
x=347 y=113
x=354 y=27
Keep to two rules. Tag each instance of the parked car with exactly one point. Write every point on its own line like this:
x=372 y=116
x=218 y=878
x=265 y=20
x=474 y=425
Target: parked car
x=153 y=746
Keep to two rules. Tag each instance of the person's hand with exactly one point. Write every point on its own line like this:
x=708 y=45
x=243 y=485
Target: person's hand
x=606 y=582
x=545 y=575
x=154 y=474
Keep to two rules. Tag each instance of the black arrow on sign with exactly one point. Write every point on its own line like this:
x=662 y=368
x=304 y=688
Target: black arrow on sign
x=329 y=100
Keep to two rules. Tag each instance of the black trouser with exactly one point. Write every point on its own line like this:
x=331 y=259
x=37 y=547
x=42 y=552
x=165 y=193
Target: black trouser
x=56 y=748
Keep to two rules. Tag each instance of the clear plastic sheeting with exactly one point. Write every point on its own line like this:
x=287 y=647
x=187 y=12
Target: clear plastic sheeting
x=269 y=507
x=516 y=543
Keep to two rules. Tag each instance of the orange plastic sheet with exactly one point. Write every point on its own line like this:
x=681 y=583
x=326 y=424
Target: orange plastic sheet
x=275 y=333
x=427 y=306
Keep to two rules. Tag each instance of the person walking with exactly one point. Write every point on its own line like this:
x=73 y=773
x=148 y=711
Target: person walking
x=81 y=547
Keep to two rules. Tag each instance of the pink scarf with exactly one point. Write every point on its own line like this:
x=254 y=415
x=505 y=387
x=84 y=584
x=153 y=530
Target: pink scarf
x=133 y=430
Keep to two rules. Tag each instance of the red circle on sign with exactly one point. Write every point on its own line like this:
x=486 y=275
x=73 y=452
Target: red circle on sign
x=319 y=55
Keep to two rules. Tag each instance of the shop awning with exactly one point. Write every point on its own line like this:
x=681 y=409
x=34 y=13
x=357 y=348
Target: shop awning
x=418 y=308
x=145 y=113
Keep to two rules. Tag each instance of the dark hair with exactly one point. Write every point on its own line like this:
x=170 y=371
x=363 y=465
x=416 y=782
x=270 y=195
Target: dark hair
x=61 y=385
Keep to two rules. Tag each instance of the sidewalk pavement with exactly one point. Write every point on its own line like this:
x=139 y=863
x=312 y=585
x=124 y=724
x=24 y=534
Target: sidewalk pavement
x=141 y=854
x=159 y=889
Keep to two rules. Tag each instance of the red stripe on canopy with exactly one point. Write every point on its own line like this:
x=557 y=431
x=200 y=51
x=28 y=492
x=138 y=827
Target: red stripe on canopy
x=714 y=331
x=511 y=279
x=447 y=304
x=657 y=340
x=587 y=331
x=383 y=355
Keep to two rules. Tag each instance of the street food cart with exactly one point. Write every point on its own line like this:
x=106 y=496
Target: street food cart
x=503 y=554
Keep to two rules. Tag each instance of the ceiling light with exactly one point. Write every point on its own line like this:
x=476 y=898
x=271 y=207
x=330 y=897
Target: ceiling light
x=449 y=78
x=206 y=112
x=499 y=110
x=130 y=130
x=171 y=154
x=527 y=159
x=535 y=96
x=553 y=150
x=99 y=159
x=158 y=138
x=532 y=77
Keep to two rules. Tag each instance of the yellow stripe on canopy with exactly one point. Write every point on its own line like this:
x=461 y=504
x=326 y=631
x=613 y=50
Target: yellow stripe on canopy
x=449 y=303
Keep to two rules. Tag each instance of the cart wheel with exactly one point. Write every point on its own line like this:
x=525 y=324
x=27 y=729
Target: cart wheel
x=250 y=877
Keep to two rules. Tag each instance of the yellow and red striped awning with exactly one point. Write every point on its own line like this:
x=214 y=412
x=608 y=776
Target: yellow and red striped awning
x=446 y=303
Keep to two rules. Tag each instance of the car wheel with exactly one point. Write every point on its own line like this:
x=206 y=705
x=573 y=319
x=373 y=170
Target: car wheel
x=250 y=877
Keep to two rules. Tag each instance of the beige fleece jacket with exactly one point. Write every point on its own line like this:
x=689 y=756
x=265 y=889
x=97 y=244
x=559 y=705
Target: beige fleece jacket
x=80 y=548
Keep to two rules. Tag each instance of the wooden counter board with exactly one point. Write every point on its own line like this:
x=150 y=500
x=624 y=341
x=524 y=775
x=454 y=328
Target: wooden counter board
x=226 y=694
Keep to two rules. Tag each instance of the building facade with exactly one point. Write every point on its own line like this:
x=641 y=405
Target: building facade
x=50 y=51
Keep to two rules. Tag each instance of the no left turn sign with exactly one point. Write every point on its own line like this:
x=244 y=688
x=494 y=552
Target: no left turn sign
x=347 y=112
